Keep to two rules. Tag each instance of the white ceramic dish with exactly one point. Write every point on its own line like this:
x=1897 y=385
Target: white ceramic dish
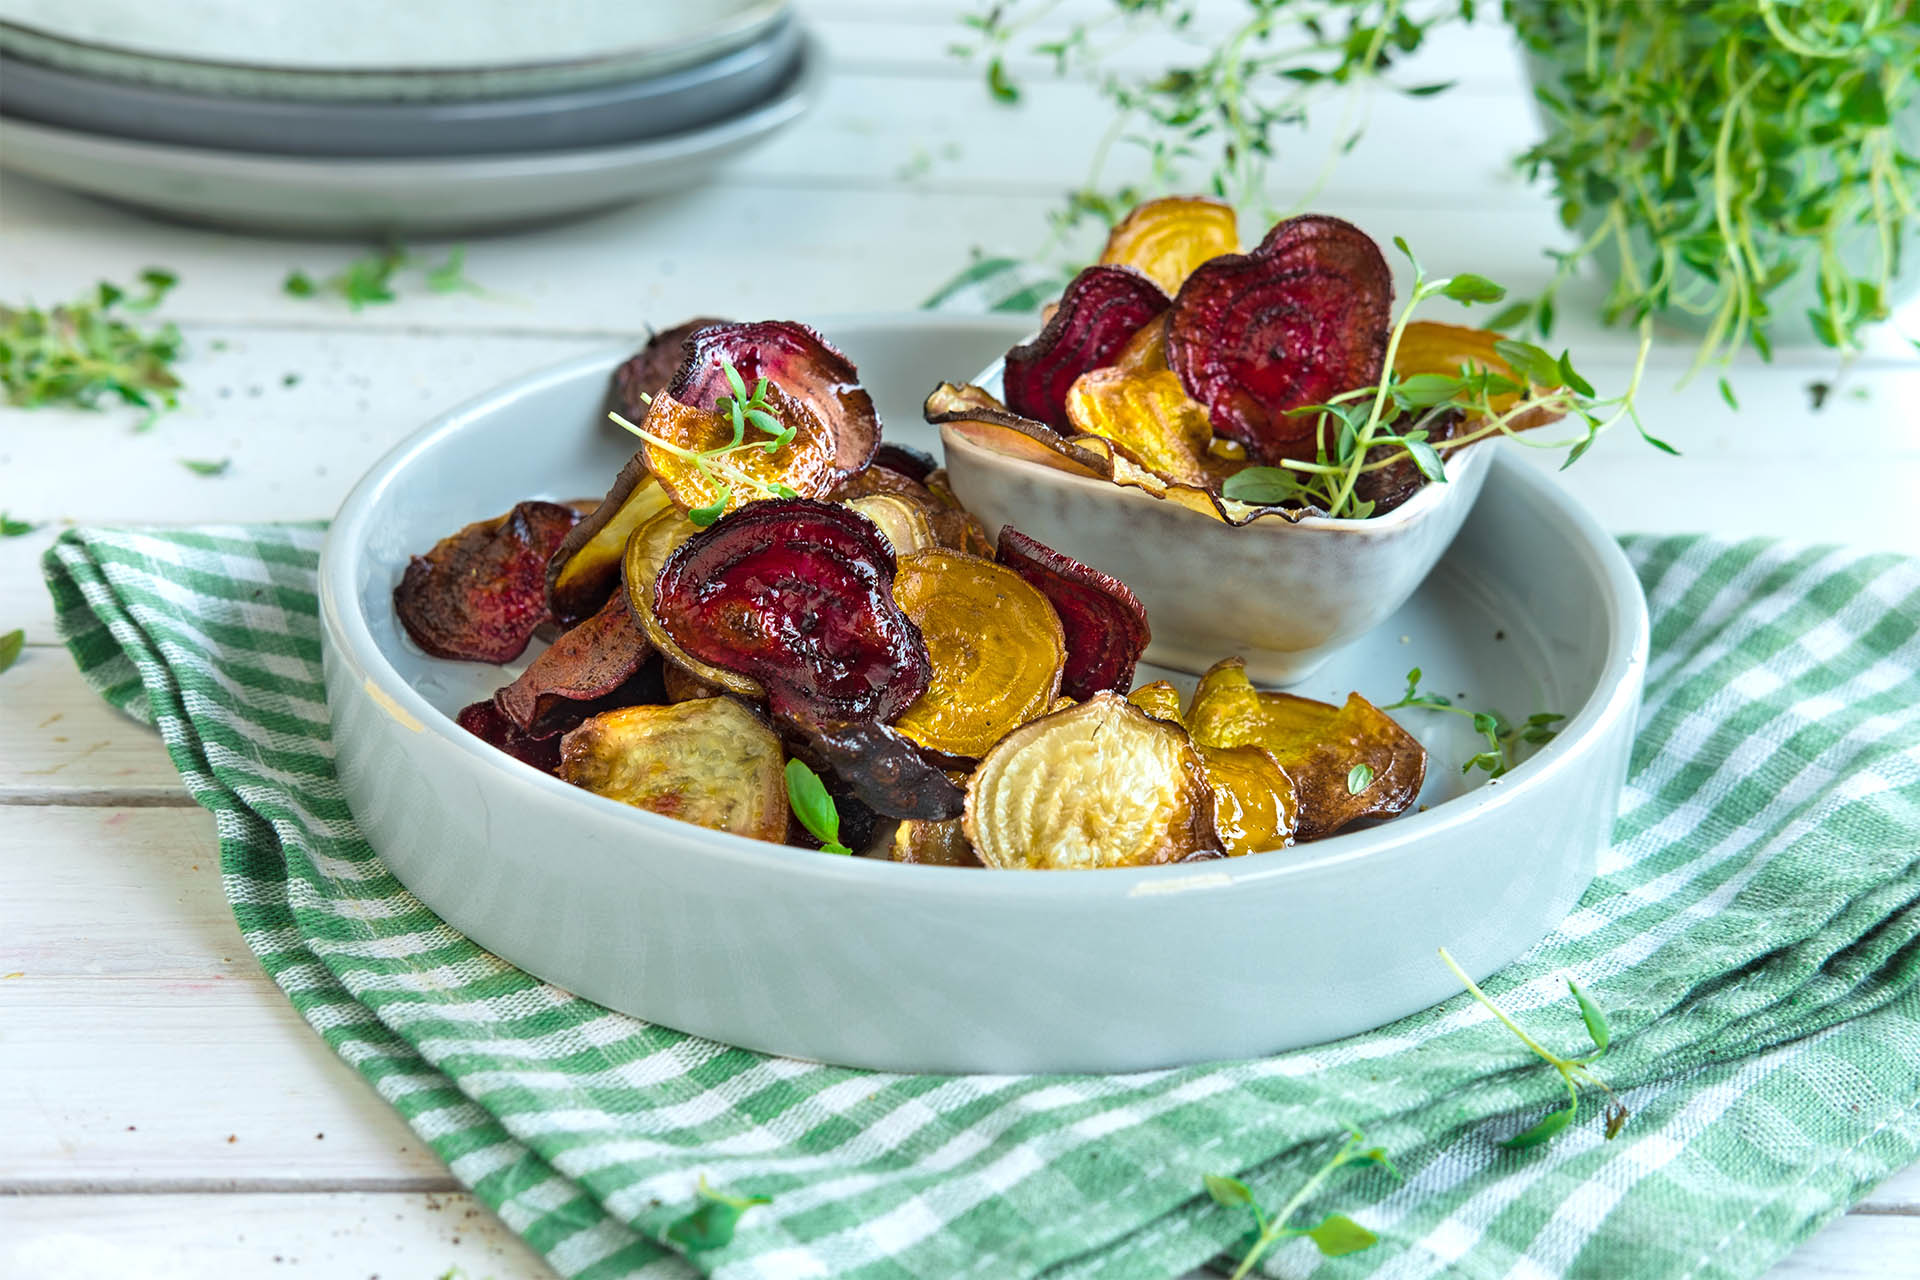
x=377 y=50
x=929 y=968
x=396 y=196
x=1285 y=596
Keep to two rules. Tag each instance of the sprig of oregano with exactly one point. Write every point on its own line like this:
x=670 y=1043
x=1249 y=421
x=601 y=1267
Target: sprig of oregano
x=10 y=646
x=1335 y=1235
x=1574 y=1072
x=1371 y=428
x=1504 y=737
x=711 y=1223
x=807 y=797
x=86 y=354
x=743 y=410
x=369 y=280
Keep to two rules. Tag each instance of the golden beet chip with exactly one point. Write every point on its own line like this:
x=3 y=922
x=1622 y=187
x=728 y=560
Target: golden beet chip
x=1151 y=417
x=941 y=843
x=711 y=762
x=1166 y=239
x=1430 y=347
x=977 y=417
x=1254 y=804
x=1101 y=784
x=1159 y=700
x=995 y=644
x=585 y=568
x=902 y=520
x=647 y=550
x=681 y=685
x=1347 y=763
x=1146 y=350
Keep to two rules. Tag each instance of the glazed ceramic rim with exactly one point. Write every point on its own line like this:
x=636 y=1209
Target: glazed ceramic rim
x=346 y=631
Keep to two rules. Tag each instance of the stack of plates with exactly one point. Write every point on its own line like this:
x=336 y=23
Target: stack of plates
x=367 y=117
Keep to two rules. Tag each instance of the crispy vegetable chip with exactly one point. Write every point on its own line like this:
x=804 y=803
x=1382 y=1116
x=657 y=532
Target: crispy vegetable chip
x=653 y=366
x=796 y=594
x=1317 y=744
x=974 y=415
x=1254 y=805
x=484 y=721
x=1146 y=350
x=647 y=551
x=680 y=685
x=711 y=762
x=903 y=521
x=1300 y=319
x=812 y=389
x=1151 y=417
x=955 y=526
x=1101 y=784
x=1166 y=239
x=1159 y=700
x=585 y=568
x=910 y=462
x=1429 y=347
x=995 y=645
x=888 y=773
x=1101 y=309
x=593 y=661
x=932 y=844
x=1105 y=624
x=480 y=594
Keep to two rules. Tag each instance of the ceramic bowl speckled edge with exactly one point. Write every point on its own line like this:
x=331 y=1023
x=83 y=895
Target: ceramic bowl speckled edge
x=1285 y=596
x=912 y=968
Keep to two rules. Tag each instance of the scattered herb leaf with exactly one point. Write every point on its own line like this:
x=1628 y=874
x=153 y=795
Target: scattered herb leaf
x=743 y=409
x=451 y=276
x=201 y=467
x=1573 y=1071
x=84 y=354
x=711 y=1223
x=808 y=798
x=10 y=646
x=1359 y=778
x=1335 y=1235
x=299 y=284
x=1504 y=738
x=11 y=528
x=370 y=279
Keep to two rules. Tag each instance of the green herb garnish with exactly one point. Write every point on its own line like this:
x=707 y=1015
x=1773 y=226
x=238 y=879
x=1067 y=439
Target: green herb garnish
x=84 y=355
x=201 y=467
x=808 y=798
x=370 y=279
x=743 y=410
x=10 y=646
x=451 y=276
x=1573 y=1071
x=11 y=528
x=1359 y=778
x=1503 y=736
x=711 y=1224
x=1335 y=1235
x=1371 y=428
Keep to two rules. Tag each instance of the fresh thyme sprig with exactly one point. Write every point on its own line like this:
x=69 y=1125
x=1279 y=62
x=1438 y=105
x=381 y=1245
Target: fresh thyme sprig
x=370 y=279
x=84 y=354
x=1371 y=428
x=1335 y=1235
x=743 y=410
x=1573 y=1071
x=1502 y=735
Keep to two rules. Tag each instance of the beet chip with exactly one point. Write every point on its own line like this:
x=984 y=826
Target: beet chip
x=797 y=594
x=650 y=370
x=484 y=721
x=578 y=675
x=1101 y=309
x=480 y=594
x=1106 y=626
x=914 y=464
x=888 y=773
x=1299 y=320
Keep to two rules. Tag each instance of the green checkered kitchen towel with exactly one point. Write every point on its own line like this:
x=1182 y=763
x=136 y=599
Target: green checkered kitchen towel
x=1755 y=930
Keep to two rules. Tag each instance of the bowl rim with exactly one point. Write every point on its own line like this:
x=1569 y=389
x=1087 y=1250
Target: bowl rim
x=349 y=640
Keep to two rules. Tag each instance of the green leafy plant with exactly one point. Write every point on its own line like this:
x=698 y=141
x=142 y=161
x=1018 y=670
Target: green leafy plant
x=712 y=1221
x=86 y=354
x=370 y=279
x=203 y=467
x=1574 y=1072
x=808 y=798
x=1504 y=738
x=1705 y=152
x=743 y=410
x=1371 y=428
x=10 y=646
x=1335 y=1235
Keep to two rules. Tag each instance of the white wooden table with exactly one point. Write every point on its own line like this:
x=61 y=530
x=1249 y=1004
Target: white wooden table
x=163 y=1111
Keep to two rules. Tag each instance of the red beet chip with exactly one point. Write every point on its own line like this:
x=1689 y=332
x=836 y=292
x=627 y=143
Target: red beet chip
x=914 y=464
x=804 y=365
x=480 y=593
x=484 y=721
x=1105 y=625
x=650 y=370
x=1299 y=320
x=1101 y=309
x=887 y=773
x=798 y=595
x=579 y=674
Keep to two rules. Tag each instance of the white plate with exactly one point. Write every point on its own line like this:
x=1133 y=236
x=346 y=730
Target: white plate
x=364 y=50
x=881 y=965
x=399 y=196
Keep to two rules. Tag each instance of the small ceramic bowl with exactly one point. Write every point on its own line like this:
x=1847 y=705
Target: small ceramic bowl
x=1284 y=595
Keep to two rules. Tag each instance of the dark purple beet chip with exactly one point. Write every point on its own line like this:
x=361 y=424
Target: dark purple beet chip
x=480 y=594
x=650 y=370
x=914 y=464
x=578 y=674
x=1101 y=309
x=1105 y=625
x=484 y=721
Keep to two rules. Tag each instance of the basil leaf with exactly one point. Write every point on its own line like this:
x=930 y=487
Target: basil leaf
x=808 y=798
